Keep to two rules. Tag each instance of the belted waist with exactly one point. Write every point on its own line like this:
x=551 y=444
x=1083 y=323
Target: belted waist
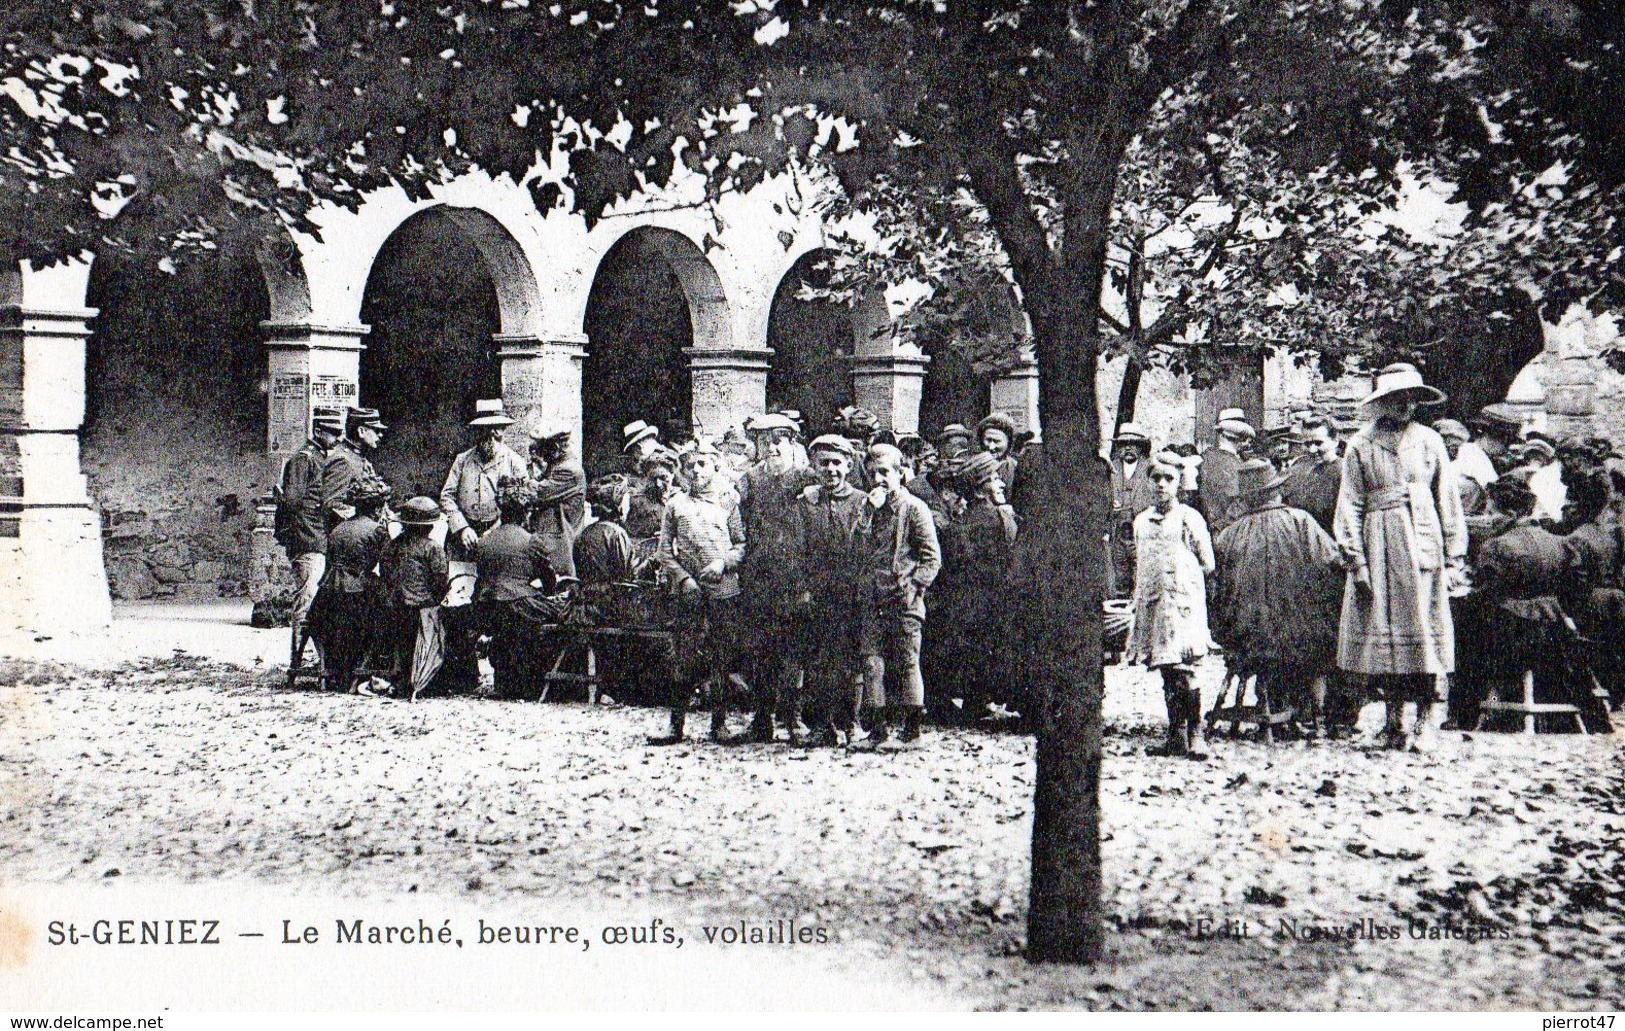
x=1387 y=499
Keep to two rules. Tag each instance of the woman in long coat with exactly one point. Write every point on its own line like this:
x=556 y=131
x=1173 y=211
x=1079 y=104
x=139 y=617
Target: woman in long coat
x=1173 y=556
x=1400 y=527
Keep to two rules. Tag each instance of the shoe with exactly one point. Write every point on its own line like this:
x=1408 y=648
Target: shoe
x=823 y=737
x=1168 y=750
x=673 y=734
x=760 y=732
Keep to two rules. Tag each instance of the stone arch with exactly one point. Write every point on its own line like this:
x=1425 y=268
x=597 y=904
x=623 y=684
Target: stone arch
x=813 y=344
x=710 y=315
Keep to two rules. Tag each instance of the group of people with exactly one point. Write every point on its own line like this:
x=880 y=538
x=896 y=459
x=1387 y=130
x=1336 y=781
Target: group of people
x=1328 y=571
x=1326 y=566
x=794 y=570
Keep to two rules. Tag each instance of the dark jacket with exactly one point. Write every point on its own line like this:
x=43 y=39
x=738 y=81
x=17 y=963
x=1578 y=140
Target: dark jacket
x=603 y=554
x=508 y=558
x=1220 y=489
x=345 y=464
x=560 y=510
x=767 y=506
x=829 y=557
x=353 y=550
x=1312 y=485
x=414 y=572
x=301 y=523
x=1524 y=562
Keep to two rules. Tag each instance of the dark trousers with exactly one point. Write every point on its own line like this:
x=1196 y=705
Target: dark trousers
x=829 y=639
x=707 y=648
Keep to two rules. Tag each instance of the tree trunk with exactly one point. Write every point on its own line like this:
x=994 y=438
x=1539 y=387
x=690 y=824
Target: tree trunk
x=1128 y=395
x=1062 y=559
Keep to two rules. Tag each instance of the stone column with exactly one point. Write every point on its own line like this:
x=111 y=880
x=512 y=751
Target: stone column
x=890 y=383
x=1570 y=377
x=1015 y=393
x=308 y=366
x=53 y=586
x=541 y=382
x=730 y=385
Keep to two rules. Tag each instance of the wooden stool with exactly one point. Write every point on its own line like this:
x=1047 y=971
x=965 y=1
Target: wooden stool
x=1528 y=708
x=1236 y=714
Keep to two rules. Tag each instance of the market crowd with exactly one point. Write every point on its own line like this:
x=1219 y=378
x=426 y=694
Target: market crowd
x=844 y=587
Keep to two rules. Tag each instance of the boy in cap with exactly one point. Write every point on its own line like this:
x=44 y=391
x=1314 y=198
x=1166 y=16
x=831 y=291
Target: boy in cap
x=702 y=542
x=900 y=559
x=301 y=522
x=829 y=516
x=416 y=577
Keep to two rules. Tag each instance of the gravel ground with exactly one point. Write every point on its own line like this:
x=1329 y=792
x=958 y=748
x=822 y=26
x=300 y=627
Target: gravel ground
x=192 y=773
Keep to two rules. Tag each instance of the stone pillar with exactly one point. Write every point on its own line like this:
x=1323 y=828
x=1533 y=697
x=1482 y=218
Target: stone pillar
x=308 y=366
x=1015 y=393
x=541 y=382
x=730 y=385
x=890 y=385
x=1570 y=376
x=53 y=586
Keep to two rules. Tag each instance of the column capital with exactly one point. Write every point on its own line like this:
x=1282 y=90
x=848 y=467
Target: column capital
x=737 y=359
x=889 y=364
x=534 y=345
x=314 y=335
x=44 y=323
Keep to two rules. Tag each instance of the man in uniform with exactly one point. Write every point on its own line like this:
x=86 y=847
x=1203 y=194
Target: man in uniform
x=347 y=462
x=1221 y=463
x=767 y=580
x=469 y=498
x=301 y=522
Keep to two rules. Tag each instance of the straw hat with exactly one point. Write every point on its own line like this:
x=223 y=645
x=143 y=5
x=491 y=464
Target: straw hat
x=1131 y=433
x=1403 y=379
x=1234 y=421
x=490 y=413
x=634 y=432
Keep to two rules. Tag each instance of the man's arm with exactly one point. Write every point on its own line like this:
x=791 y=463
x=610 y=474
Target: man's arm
x=456 y=522
x=922 y=537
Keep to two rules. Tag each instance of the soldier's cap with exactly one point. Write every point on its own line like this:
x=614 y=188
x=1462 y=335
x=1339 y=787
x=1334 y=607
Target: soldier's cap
x=355 y=417
x=420 y=511
x=633 y=432
x=327 y=419
x=832 y=442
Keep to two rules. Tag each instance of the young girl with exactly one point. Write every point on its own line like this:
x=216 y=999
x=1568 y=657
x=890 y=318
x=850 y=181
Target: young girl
x=1173 y=556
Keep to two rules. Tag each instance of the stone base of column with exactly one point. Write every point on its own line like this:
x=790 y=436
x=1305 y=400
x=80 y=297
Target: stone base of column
x=1016 y=395
x=891 y=386
x=54 y=602
x=729 y=386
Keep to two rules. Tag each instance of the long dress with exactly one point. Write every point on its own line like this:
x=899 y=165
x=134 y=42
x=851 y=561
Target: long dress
x=1276 y=592
x=1172 y=550
x=1399 y=518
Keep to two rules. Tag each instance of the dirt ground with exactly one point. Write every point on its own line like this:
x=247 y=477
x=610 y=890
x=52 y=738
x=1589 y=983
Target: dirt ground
x=189 y=773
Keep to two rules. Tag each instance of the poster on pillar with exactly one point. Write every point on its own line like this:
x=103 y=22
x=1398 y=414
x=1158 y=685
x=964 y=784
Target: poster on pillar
x=289 y=412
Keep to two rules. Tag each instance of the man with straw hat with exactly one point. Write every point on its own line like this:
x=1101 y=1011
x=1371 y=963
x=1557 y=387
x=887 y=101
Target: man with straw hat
x=1277 y=587
x=469 y=497
x=1220 y=464
x=1400 y=527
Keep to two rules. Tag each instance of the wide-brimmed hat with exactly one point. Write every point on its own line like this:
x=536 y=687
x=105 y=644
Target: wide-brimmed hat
x=356 y=417
x=634 y=432
x=1234 y=421
x=832 y=442
x=1257 y=475
x=997 y=421
x=1131 y=433
x=490 y=412
x=419 y=511
x=1403 y=378
x=327 y=419
x=1450 y=429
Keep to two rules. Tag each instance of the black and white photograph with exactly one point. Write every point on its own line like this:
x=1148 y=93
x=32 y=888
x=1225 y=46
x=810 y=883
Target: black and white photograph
x=516 y=506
